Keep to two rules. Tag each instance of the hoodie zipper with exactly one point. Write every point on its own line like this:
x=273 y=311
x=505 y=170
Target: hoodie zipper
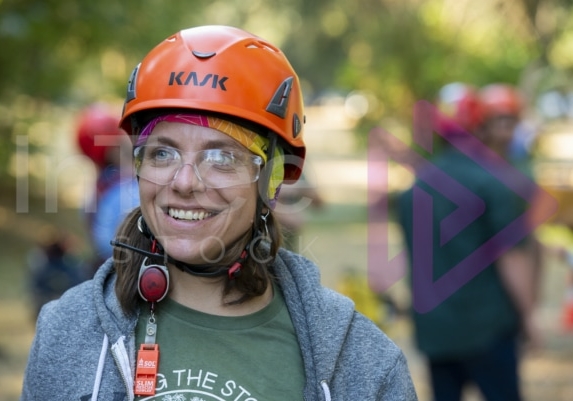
x=117 y=350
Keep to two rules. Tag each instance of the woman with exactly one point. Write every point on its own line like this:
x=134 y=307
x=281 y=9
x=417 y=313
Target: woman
x=199 y=302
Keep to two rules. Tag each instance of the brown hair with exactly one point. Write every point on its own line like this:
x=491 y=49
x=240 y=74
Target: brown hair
x=252 y=282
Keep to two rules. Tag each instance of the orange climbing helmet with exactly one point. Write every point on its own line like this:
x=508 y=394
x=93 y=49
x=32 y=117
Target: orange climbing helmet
x=97 y=129
x=222 y=70
x=501 y=100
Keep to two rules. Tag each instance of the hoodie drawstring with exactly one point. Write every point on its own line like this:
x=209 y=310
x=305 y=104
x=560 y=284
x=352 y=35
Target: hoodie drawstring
x=99 y=372
x=326 y=390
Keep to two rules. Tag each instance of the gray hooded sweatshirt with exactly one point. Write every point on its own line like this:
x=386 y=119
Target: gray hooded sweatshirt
x=84 y=348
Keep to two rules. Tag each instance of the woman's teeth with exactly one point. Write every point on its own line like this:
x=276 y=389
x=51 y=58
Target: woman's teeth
x=188 y=214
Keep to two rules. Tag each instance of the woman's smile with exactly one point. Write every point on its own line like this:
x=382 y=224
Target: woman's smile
x=181 y=214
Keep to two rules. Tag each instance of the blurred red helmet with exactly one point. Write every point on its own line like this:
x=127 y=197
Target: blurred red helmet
x=501 y=100
x=98 y=120
x=459 y=107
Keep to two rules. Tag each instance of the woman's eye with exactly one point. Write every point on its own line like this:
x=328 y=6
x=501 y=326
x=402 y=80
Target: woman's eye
x=162 y=154
x=220 y=158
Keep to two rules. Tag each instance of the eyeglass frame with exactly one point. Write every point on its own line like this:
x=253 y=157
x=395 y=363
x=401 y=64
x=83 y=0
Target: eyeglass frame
x=256 y=161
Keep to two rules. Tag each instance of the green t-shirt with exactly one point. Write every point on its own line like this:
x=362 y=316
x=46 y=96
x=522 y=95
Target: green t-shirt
x=206 y=357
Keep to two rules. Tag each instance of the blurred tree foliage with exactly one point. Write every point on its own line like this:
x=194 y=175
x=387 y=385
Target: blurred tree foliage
x=59 y=55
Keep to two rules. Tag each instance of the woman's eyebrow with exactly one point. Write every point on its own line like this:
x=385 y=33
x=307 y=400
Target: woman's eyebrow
x=206 y=144
x=162 y=140
x=221 y=144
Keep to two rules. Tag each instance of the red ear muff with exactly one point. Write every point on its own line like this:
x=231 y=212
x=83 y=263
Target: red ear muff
x=153 y=281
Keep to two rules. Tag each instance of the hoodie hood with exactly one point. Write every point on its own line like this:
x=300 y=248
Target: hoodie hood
x=321 y=317
x=114 y=322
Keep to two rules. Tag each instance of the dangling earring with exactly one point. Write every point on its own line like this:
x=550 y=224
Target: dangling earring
x=140 y=223
x=142 y=227
x=265 y=235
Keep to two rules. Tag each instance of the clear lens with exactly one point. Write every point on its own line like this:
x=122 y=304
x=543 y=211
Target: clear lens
x=216 y=168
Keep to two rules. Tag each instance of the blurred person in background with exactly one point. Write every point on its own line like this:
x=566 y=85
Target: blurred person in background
x=54 y=266
x=478 y=283
x=200 y=300
x=100 y=138
x=502 y=131
x=503 y=124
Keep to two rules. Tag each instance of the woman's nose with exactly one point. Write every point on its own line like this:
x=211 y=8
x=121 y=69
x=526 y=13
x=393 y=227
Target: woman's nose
x=186 y=179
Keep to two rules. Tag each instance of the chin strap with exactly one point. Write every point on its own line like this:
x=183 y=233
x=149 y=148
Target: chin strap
x=197 y=270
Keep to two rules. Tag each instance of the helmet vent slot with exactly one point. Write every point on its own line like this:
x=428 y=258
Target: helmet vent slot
x=262 y=45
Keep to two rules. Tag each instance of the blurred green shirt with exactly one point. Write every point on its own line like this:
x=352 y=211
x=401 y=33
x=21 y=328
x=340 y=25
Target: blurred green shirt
x=480 y=312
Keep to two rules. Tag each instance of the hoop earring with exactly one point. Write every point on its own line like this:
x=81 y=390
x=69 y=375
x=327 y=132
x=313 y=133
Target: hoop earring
x=143 y=228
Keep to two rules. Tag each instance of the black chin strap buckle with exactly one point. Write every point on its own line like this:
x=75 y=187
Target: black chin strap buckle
x=151 y=255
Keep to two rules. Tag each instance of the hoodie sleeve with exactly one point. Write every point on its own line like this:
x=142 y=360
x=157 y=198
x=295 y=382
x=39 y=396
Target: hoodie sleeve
x=397 y=385
x=32 y=375
x=65 y=351
x=56 y=363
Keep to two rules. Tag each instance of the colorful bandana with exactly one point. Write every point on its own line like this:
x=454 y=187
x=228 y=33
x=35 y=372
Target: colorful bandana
x=249 y=139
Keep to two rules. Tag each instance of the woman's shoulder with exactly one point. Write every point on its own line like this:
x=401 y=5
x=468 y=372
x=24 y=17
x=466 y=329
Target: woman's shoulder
x=369 y=353
x=368 y=335
x=75 y=302
x=290 y=263
x=79 y=304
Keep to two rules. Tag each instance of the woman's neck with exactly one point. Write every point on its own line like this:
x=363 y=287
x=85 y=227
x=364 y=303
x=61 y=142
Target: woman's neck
x=206 y=295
